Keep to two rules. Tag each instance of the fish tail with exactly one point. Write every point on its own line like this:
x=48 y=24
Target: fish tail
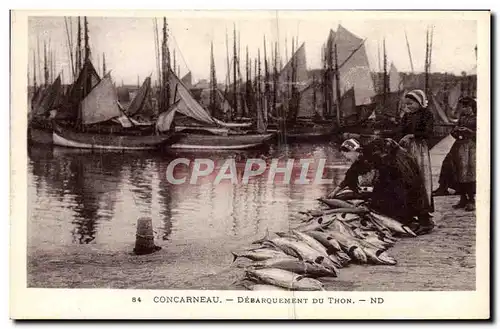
x=235 y=256
x=265 y=238
x=409 y=231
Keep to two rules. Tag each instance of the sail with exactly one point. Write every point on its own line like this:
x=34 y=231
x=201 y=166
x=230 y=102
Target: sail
x=187 y=104
x=140 y=97
x=348 y=105
x=101 y=104
x=306 y=107
x=301 y=74
x=165 y=119
x=49 y=96
x=454 y=96
x=187 y=80
x=86 y=81
x=354 y=70
x=221 y=102
x=394 y=79
x=438 y=112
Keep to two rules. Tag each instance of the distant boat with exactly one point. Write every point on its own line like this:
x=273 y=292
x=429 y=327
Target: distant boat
x=64 y=136
x=199 y=130
x=102 y=124
x=39 y=122
x=199 y=141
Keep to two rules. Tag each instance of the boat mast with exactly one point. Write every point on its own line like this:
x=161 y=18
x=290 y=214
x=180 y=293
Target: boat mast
x=87 y=45
x=79 y=47
x=70 y=48
x=165 y=68
x=337 y=87
x=248 y=72
x=266 y=81
x=174 y=68
x=34 y=72
x=213 y=82
x=235 y=59
x=409 y=52
x=427 y=62
x=386 y=78
x=103 y=64
x=45 y=68
x=157 y=57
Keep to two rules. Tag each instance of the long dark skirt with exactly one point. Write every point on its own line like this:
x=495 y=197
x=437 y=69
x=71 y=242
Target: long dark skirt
x=448 y=174
x=400 y=191
x=464 y=160
x=420 y=151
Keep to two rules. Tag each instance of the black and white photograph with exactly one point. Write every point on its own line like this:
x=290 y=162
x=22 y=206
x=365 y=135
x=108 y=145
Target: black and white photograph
x=271 y=151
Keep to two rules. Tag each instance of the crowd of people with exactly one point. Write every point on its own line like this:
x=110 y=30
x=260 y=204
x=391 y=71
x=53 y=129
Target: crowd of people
x=400 y=172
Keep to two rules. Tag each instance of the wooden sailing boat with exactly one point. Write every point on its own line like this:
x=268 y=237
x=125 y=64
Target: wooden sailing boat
x=96 y=127
x=199 y=129
x=92 y=117
x=302 y=122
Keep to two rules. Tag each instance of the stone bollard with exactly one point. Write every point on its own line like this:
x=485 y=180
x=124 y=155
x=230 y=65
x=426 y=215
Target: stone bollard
x=144 y=238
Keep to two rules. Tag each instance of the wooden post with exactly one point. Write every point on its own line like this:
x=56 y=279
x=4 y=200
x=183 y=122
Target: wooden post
x=144 y=238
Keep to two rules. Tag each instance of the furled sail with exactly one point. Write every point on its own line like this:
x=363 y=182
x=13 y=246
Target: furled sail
x=101 y=104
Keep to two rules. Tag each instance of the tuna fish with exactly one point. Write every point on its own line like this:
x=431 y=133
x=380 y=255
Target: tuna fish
x=296 y=266
x=336 y=203
x=317 y=223
x=284 y=279
x=327 y=252
x=293 y=246
x=260 y=254
x=326 y=240
x=379 y=257
x=262 y=287
x=350 y=246
x=391 y=224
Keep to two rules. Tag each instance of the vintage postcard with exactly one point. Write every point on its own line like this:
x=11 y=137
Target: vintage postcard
x=250 y=164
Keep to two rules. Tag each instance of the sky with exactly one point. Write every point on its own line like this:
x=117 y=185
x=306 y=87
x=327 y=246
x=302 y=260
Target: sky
x=128 y=42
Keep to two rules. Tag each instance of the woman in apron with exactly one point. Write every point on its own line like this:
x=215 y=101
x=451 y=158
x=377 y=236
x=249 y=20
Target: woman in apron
x=464 y=155
x=417 y=126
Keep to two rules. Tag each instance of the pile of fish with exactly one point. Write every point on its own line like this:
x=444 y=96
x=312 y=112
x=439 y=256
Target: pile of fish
x=346 y=231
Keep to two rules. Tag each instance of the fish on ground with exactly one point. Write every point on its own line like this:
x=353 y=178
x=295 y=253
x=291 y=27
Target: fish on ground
x=284 y=279
x=260 y=254
x=296 y=266
x=391 y=224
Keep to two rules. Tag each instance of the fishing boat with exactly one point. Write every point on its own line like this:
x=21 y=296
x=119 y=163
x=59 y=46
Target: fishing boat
x=39 y=121
x=102 y=124
x=196 y=127
x=197 y=130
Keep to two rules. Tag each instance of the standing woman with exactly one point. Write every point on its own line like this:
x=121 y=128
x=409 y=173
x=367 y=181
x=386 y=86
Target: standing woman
x=417 y=126
x=464 y=155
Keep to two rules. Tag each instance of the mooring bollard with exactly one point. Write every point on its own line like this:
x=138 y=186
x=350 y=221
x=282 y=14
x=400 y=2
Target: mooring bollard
x=144 y=238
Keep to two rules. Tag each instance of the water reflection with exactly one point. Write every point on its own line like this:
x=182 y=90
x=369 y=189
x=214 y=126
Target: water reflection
x=79 y=197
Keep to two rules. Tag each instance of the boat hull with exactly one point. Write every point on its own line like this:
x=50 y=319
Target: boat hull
x=308 y=133
x=194 y=141
x=70 y=138
x=38 y=135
